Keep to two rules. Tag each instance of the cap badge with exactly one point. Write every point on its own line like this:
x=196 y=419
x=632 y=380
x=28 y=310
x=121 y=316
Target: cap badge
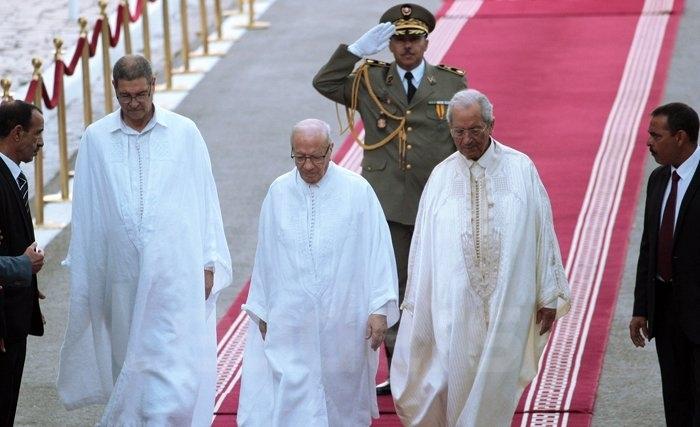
x=406 y=10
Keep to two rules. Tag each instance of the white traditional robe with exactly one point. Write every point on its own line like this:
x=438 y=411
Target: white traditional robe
x=484 y=258
x=140 y=336
x=324 y=263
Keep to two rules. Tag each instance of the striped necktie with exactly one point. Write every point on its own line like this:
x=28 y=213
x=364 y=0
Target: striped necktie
x=24 y=190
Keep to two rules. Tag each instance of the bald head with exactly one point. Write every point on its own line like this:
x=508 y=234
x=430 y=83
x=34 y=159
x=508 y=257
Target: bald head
x=132 y=67
x=311 y=149
x=312 y=128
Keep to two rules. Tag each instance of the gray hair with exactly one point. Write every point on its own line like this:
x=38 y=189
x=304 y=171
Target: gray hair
x=468 y=97
x=132 y=67
x=311 y=126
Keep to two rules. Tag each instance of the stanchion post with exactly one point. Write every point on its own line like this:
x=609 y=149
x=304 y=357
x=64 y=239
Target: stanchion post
x=106 y=64
x=6 y=83
x=146 y=31
x=62 y=134
x=185 y=36
x=252 y=23
x=218 y=19
x=166 y=47
x=126 y=22
x=85 y=66
x=204 y=26
x=39 y=158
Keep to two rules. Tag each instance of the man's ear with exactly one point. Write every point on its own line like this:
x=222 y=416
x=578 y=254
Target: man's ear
x=17 y=132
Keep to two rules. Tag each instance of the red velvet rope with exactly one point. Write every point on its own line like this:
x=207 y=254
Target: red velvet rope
x=61 y=68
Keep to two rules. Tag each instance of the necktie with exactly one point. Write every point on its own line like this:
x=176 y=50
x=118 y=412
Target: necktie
x=664 y=255
x=411 y=89
x=24 y=190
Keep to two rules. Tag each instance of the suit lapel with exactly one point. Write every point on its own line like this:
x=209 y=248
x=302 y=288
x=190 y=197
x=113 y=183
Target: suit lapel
x=12 y=184
x=656 y=201
x=394 y=86
x=687 y=198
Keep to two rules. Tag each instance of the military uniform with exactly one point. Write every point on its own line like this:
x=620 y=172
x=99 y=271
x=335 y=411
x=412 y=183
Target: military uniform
x=397 y=174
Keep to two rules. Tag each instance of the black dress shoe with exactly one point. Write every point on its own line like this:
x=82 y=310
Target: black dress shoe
x=384 y=389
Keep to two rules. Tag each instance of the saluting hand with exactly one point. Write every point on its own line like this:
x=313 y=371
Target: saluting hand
x=376 y=329
x=373 y=41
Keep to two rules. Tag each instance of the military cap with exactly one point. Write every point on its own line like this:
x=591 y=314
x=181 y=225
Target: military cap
x=409 y=19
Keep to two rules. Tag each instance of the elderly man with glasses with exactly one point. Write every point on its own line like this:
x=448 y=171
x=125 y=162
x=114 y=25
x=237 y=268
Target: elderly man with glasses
x=485 y=281
x=147 y=258
x=323 y=291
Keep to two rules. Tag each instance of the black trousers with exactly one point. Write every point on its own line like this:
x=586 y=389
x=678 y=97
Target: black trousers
x=11 y=367
x=679 y=360
x=401 y=235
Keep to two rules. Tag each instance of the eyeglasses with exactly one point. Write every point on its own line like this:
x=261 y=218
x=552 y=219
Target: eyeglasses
x=316 y=160
x=141 y=97
x=472 y=132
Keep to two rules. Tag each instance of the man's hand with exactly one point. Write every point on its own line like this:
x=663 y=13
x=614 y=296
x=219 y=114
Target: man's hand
x=36 y=257
x=636 y=324
x=373 y=41
x=262 y=326
x=208 y=282
x=546 y=316
x=376 y=329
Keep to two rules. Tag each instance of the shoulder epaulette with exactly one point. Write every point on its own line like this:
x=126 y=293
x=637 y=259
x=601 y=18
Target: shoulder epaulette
x=454 y=70
x=377 y=63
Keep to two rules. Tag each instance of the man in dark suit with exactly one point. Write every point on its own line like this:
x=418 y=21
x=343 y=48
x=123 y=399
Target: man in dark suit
x=21 y=127
x=667 y=290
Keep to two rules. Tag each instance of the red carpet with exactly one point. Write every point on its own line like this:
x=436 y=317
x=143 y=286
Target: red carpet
x=572 y=84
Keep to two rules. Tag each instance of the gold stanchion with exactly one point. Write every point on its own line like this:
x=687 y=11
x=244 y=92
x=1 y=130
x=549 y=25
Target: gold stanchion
x=166 y=47
x=62 y=135
x=218 y=20
x=185 y=37
x=85 y=66
x=39 y=158
x=237 y=10
x=146 y=31
x=6 y=83
x=126 y=22
x=252 y=23
x=204 y=26
x=106 y=64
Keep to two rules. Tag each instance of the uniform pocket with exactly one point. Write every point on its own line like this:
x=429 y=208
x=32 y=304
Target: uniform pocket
x=371 y=165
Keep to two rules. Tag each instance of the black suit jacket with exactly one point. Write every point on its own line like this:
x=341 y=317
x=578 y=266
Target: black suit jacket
x=19 y=305
x=686 y=255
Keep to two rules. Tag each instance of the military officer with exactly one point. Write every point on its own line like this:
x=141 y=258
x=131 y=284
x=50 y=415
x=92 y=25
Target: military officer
x=403 y=107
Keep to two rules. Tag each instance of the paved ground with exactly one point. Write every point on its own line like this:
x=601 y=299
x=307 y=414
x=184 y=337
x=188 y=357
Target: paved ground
x=245 y=108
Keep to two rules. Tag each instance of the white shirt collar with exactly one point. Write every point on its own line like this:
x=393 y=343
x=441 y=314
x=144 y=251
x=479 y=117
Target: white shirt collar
x=416 y=72
x=487 y=160
x=687 y=168
x=12 y=166
x=320 y=184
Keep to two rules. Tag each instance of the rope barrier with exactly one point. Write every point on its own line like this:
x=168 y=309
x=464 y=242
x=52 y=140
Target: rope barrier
x=108 y=37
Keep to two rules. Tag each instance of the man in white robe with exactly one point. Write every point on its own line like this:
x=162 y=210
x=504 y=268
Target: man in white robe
x=147 y=258
x=323 y=292
x=485 y=281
